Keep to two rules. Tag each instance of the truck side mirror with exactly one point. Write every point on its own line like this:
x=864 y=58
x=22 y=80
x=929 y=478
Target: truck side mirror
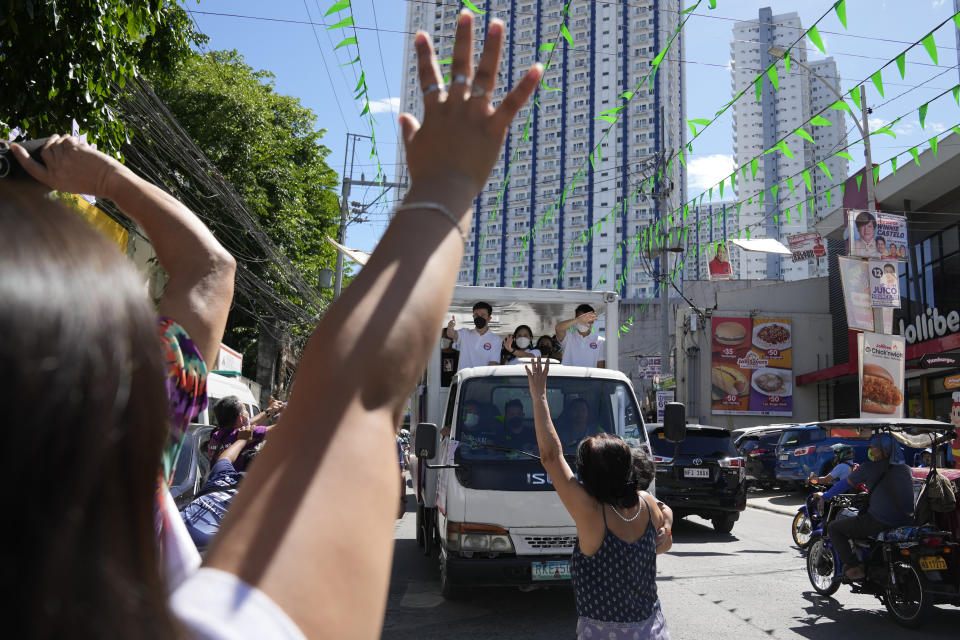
x=675 y=422
x=425 y=445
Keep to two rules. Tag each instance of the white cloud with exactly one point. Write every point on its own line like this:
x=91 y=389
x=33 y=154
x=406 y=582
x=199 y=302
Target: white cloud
x=939 y=3
x=705 y=171
x=386 y=105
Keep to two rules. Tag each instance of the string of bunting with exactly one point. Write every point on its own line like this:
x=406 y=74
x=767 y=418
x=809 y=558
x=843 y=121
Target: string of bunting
x=347 y=25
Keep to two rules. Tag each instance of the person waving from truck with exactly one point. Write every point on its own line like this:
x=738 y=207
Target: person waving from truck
x=581 y=346
x=479 y=347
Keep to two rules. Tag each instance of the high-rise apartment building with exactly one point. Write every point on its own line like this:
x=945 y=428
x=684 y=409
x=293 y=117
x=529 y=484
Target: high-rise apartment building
x=802 y=93
x=613 y=44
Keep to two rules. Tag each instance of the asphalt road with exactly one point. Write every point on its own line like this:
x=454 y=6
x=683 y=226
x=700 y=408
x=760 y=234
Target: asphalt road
x=749 y=584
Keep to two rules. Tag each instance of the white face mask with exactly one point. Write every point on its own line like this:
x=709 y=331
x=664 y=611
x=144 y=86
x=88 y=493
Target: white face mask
x=445 y=343
x=522 y=343
x=471 y=420
x=583 y=328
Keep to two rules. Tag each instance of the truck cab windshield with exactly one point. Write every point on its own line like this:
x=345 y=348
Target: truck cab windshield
x=495 y=415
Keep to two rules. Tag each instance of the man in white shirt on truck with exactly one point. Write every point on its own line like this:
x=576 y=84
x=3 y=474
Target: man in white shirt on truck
x=478 y=347
x=581 y=346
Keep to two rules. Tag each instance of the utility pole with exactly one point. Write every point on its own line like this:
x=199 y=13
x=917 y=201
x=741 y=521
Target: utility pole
x=349 y=182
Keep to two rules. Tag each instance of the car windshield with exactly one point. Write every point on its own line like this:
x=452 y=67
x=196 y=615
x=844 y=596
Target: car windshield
x=794 y=437
x=495 y=415
x=706 y=443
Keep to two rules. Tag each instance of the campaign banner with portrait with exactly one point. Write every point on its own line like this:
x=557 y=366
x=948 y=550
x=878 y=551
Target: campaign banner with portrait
x=806 y=246
x=855 y=278
x=752 y=366
x=884 y=284
x=874 y=234
x=880 y=367
x=719 y=266
x=649 y=367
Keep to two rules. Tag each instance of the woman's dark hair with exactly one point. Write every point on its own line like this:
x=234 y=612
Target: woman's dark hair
x=84 y=392
x=227 y=410
x=522 y=326
x=643 y=466
x=605 y=466
x=550 y=349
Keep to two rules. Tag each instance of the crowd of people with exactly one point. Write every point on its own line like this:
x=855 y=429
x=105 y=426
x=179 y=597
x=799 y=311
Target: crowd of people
x=103 y=385
x=575 y=342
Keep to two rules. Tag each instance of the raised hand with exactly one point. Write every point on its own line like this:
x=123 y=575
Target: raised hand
x=460 y=118
x=537 y=373
x=508 y=343
x=451 y=326
x=71 y=166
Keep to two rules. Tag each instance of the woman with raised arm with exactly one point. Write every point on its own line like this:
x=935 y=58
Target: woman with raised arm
x=313 y=529
x=305 y=551
x=614 y=562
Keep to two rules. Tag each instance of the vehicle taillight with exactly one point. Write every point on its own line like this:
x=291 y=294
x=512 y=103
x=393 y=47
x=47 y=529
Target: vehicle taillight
x=802 y=451
x=933 y=541
x=662 y=459
x=759 y=452
x=731 y=463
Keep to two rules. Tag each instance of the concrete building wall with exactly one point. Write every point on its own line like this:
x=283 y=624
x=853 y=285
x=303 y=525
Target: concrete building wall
x=804 y=302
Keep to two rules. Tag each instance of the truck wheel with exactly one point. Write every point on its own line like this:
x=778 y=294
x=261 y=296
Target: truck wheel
x=724 y=523
x=447 y=589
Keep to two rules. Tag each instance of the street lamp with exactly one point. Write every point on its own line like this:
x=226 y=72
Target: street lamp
x=864 y=128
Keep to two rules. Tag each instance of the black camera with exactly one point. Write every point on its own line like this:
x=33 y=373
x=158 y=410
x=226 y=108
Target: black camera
x=10 y=168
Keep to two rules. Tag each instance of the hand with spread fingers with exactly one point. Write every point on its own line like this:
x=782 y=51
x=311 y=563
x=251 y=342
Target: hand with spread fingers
x=451 y=154
x=537 y=373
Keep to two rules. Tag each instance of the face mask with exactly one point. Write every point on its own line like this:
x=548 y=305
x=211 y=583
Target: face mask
x=445 y=343
x=471 y=420
x=522 y=343
x=479 y=322
x=515 y=423
x=583 y=328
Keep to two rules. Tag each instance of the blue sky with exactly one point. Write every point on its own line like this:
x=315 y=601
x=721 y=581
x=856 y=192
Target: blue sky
x=281 y=40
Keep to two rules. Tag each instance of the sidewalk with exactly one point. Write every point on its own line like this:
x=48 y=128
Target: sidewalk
x=785 y=503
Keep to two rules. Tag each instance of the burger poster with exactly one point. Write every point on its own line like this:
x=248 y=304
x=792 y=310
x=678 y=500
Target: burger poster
x=881 y=375
x=751 y=366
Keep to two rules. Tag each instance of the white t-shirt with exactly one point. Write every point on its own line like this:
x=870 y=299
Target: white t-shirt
x=216 y=605
x=583 y=351
x=533 y=353
x=478 y=350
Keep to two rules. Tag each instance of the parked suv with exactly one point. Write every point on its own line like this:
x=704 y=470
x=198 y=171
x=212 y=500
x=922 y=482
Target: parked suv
x=759 y=451
x=704 y=475
x=806 y=448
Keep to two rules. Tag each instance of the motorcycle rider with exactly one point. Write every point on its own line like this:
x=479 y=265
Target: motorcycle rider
x=843 y=455
x=890 y=483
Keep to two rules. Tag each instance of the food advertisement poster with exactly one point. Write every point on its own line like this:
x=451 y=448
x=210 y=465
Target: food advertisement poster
x=881 y=375
x=855 y=278
x=884 y=284
x=752 y=366
x=806 y=246
x=873 y=234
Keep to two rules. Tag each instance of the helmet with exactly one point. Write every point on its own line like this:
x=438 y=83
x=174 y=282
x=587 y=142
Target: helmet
x=843 y=451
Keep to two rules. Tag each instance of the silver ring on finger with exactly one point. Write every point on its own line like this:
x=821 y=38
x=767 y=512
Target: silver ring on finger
x=477 y=91
x=459 y=79
x=431 y=88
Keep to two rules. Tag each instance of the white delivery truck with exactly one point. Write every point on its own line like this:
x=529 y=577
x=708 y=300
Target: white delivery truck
x=485 y=505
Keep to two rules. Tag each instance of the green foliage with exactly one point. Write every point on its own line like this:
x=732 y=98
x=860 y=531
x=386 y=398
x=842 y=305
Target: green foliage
x=268 y=147
x=60 y=58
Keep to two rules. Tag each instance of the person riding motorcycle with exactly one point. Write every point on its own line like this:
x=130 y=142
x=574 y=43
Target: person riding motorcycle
x=891 y=501
x=843 y=464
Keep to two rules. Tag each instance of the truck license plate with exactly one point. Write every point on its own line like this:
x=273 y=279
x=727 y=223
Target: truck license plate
x=784 y=456
x=933 y=563
x=550 y=570
x=696 y=473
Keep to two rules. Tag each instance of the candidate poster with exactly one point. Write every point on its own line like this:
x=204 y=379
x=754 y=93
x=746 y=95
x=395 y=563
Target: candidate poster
x=855 y=278
x=806 y=246
x=884 y=284
x=663 y=397
x=751 y=366
x=719 y=266
x=874 y=234
x=880 y=369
